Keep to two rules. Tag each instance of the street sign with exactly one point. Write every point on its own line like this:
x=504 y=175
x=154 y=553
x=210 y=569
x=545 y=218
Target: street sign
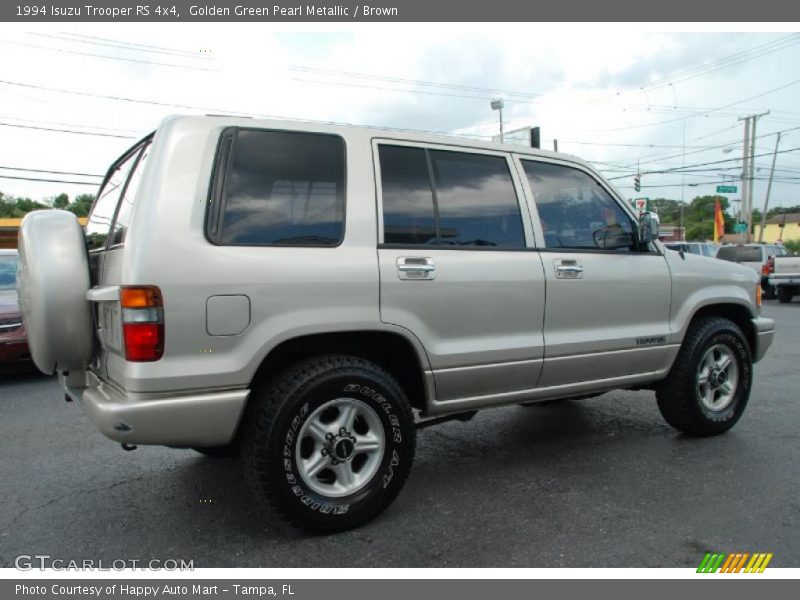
x=726 y=189
x=640 y=204
x=740 y=228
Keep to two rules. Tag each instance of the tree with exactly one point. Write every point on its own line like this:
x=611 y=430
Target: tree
x=61 y=201
x=669 y=211
x=81 y=205
x=699 y=217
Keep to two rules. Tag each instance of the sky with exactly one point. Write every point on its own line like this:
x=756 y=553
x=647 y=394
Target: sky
x=74 y=97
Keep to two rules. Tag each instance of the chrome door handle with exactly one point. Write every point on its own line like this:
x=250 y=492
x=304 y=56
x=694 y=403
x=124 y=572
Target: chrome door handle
x=416 y=267
x=426 y=268
x=568 y=269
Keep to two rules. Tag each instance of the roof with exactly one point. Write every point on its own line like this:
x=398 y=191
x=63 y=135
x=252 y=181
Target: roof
x=784 y=218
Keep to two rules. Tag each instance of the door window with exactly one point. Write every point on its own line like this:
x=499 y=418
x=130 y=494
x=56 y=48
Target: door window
x=445 y=198
x=575 y=211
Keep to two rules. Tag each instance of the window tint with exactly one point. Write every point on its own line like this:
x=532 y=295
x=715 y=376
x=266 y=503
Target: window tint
x=740 y=253
x=123 y=218
x=476 y=199
x=727 y=253
x=408 y=215
x=575 y=211
x=99 y=222
x=284 y=188
x=472 y=201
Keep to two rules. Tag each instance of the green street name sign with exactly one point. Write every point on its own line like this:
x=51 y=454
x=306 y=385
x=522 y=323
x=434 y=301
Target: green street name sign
x=726 y=189
x=740 y=228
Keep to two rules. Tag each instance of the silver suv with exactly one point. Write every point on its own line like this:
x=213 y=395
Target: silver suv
x=308 y=295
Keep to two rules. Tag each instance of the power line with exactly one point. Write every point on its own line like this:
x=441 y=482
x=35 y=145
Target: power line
x=53 y=129
x=725 y=62
x=51 y=172
x=714 y=162
x=118 y=58
x=87 y=39
x=49 y=180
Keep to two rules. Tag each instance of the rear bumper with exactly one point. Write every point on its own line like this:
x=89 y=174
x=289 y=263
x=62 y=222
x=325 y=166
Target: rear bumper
x=765 y=332
x=11 y=352
x=202 y=419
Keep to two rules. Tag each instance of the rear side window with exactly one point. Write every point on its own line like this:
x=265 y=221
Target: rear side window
x=727 y=253
x=740 y=253
x=280 y=188
x=575 y=211
x=439 y=197
x=123 y=218
x=98 y=225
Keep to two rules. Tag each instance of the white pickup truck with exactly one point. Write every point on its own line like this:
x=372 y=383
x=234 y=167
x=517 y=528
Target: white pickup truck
x=786 y=277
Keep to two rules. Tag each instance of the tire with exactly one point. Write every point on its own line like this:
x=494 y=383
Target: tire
x=713 y=407
x=784 y=294
x=53 y=281
x=770 y=292
x=318 y=414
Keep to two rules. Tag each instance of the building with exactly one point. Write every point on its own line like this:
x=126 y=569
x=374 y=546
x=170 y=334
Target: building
x=783 y=228
x=9 y=229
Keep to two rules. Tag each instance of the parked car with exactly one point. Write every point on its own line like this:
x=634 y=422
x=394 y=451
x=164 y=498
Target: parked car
x=757 y=257
x=308 y=295
x=13 y=340
x=699 y=248
x=785 y=277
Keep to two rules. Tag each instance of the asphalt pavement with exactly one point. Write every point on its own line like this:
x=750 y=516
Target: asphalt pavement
x=602 y=482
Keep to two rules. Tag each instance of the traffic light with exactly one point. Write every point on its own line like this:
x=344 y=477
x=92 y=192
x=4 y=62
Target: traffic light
x=637 y=182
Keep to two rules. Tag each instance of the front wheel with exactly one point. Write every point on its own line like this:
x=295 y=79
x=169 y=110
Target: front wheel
x=329 y=443
x=708 y=387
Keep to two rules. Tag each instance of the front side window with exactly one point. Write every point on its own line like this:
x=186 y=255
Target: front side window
x=445 y=198
x=575 y=211
x=283 y=188
x=98 y=225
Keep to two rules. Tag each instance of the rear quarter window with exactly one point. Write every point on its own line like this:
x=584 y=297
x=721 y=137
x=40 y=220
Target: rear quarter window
x=279 y=188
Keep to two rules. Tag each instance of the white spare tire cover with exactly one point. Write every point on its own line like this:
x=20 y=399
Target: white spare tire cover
x=53 y=281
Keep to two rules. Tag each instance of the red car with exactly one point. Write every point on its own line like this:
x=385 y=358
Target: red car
x=13 y=339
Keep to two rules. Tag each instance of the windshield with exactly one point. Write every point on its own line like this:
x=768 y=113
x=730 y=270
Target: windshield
x=8 y=272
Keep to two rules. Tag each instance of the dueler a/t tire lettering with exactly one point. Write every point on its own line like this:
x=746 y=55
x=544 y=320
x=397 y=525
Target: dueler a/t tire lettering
x=270 y=441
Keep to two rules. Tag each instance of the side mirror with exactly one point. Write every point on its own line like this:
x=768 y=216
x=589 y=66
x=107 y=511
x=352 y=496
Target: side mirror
x=648 y=228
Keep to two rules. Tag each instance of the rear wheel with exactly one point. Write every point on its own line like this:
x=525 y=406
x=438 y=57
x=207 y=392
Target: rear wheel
x=709 y=385
x=785 y=294
x=329 y=443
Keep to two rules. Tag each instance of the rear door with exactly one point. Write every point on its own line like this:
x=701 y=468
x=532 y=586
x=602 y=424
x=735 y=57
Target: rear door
x=458 y=268
x=607 y=312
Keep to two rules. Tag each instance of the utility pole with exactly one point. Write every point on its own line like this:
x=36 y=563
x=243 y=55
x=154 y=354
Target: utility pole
x=748 y=170
x=769 y=189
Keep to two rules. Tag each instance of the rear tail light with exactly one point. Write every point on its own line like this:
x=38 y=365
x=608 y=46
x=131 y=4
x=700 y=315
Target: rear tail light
x=142 y=323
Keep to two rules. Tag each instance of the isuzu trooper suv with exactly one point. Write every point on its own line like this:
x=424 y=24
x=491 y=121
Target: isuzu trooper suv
x=308 y=295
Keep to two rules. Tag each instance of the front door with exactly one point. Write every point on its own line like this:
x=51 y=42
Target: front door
x=607 y=312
